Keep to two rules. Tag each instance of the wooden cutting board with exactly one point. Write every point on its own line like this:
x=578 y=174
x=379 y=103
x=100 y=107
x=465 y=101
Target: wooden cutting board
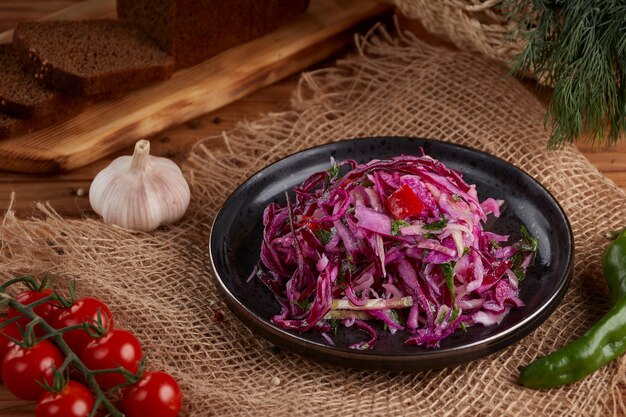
x=326 y=28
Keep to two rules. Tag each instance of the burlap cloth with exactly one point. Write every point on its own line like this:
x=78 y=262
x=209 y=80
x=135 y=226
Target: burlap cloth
x=159 y=285
x=472 y=25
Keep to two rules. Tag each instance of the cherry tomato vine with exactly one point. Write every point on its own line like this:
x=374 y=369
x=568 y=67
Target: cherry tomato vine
x=36 y=330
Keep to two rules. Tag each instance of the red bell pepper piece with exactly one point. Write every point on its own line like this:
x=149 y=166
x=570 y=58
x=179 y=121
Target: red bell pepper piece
x=309 y=222
x=403 y=203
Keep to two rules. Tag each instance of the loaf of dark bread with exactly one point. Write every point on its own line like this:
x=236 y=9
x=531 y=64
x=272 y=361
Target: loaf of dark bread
x=194 y=30
x=23 y=97
x=91 y=57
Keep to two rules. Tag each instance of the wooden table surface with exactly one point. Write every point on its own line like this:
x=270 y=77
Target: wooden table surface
x=63 y=190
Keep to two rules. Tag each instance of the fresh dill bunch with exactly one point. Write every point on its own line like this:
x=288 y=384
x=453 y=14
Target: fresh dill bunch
x=578 y=47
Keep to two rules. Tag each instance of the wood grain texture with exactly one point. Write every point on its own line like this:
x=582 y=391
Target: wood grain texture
x=13 y=407
x=108 y=126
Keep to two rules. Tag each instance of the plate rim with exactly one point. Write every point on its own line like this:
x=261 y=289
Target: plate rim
x=370 y=359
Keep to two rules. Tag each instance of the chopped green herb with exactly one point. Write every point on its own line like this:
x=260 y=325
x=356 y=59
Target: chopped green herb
x=466 y=250
x=517 y=269
x=447 y=270
x=347 y=264
x=396 y=225
x=341 y=274
x=304 y=304
x=456 y=198
x=529 y=243
x=463 y=327
x=350 y=260
x=396 y=317
x=324 y=236
x=333 y=173
x=334 y=325
x=494 y=244
x=438 y=225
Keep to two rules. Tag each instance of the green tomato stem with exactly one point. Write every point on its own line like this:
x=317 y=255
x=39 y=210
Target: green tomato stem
x=46 y=299
x=7 y=322
x=65 y=364
x=59 y=332
x=27 y=279
x=94 y=410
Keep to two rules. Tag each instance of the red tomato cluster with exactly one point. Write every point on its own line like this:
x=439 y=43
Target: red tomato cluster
x=26 y=369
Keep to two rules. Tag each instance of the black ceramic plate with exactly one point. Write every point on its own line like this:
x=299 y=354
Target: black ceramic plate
x=236 y=238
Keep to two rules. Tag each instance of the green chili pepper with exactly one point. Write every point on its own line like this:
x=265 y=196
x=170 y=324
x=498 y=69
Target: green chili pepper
x=602 y=343
x=614 y=265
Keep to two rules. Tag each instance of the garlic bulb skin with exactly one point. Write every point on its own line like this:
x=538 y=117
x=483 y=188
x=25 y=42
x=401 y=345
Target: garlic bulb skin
x=140 y=192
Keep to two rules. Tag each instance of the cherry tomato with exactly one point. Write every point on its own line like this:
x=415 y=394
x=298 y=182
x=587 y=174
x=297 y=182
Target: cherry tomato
x=83 y=310
x=403 y=203
x=46 y=311
x=117 y=348
x=23 y=368
x=5 y=343
x=156 y=394
x=75 y=400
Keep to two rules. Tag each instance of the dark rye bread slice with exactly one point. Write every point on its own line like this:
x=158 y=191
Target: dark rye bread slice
x=12 y=126
x=23 y=97
x=91 y=57
x=194 y=30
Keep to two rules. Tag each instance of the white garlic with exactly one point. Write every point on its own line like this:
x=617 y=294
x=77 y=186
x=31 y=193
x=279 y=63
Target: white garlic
x=140 y=192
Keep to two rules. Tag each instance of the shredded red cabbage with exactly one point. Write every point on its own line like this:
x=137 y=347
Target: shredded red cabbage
x=400 y=241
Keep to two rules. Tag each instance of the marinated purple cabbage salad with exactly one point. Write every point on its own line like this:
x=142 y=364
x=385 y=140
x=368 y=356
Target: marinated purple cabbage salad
x=399 y=241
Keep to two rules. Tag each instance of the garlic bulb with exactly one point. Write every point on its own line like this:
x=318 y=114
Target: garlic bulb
x=140 y=192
